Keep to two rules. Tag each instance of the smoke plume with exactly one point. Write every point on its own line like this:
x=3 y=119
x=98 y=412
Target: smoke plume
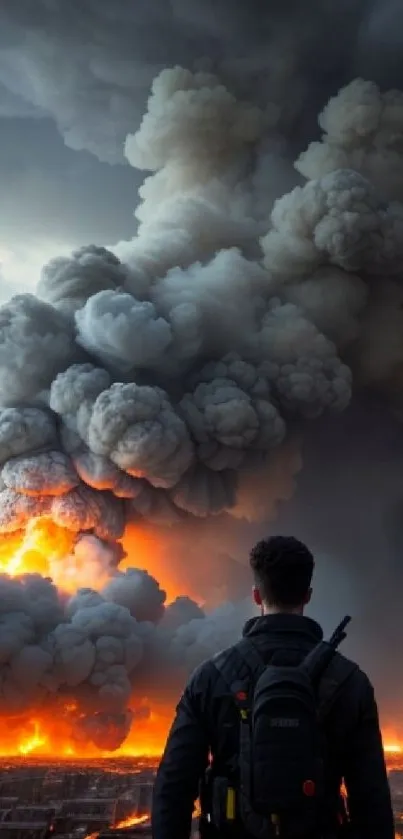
x=169 y=379
x=167 y=384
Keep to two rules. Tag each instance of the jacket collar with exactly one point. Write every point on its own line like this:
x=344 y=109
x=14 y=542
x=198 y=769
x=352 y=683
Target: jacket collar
x=284 y=624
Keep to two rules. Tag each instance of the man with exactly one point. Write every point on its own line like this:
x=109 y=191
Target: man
x=206 y=730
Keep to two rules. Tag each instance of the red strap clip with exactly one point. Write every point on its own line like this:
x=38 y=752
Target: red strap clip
x=241 y=695
x=309 y=788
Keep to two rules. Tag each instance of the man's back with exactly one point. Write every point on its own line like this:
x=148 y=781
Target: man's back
x=207 y=723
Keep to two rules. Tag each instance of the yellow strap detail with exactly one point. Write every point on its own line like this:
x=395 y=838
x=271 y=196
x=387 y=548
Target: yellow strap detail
x=230 y=813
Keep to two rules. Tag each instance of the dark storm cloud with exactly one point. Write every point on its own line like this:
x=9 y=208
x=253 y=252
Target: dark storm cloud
x=81 y=70
x=89 y=64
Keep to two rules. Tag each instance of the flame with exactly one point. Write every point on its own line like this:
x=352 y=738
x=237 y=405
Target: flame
x=33 y=743
x=46 y=548
x=131 y=820
x=37 y=550
x=127 y=822
x=134 y=819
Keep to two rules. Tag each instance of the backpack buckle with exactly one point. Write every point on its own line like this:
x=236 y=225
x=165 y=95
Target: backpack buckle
x=241 y=698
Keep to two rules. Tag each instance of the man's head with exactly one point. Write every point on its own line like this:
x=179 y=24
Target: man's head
x=282 y=570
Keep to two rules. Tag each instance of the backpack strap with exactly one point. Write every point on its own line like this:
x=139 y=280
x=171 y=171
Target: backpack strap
x=253 y=664
x=245 y=663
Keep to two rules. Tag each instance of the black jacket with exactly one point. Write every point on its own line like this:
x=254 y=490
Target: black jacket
x=207 y=722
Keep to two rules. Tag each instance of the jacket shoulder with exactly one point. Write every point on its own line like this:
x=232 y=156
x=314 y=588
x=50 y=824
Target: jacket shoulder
x=346 y=687
x=212 y=669
x=222 y=657
x=354 y=674
x=204 y=675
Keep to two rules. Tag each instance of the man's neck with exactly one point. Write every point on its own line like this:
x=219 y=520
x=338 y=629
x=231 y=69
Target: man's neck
x=276 y=610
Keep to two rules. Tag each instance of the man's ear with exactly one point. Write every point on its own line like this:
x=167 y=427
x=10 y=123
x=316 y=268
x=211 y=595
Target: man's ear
x=257 y=597
x=308 y=597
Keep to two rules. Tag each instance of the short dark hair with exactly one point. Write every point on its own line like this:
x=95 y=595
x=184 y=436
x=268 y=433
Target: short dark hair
x=282 y=568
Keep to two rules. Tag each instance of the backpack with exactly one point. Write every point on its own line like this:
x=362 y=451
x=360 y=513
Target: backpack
x=280 y=787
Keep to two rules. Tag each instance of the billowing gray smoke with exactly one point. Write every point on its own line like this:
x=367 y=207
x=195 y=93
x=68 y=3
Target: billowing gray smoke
x=93 y=647
x=167 y=378
x=153 y=383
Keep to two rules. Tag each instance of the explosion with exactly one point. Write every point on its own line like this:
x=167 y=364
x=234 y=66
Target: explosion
x=158 y=386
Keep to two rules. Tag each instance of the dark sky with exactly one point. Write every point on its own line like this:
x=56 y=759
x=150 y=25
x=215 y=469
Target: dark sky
x=54 y=198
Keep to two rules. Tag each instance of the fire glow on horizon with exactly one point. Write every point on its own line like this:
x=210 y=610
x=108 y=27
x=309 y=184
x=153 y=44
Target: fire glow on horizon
x=46 y=739
x=393 y=748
